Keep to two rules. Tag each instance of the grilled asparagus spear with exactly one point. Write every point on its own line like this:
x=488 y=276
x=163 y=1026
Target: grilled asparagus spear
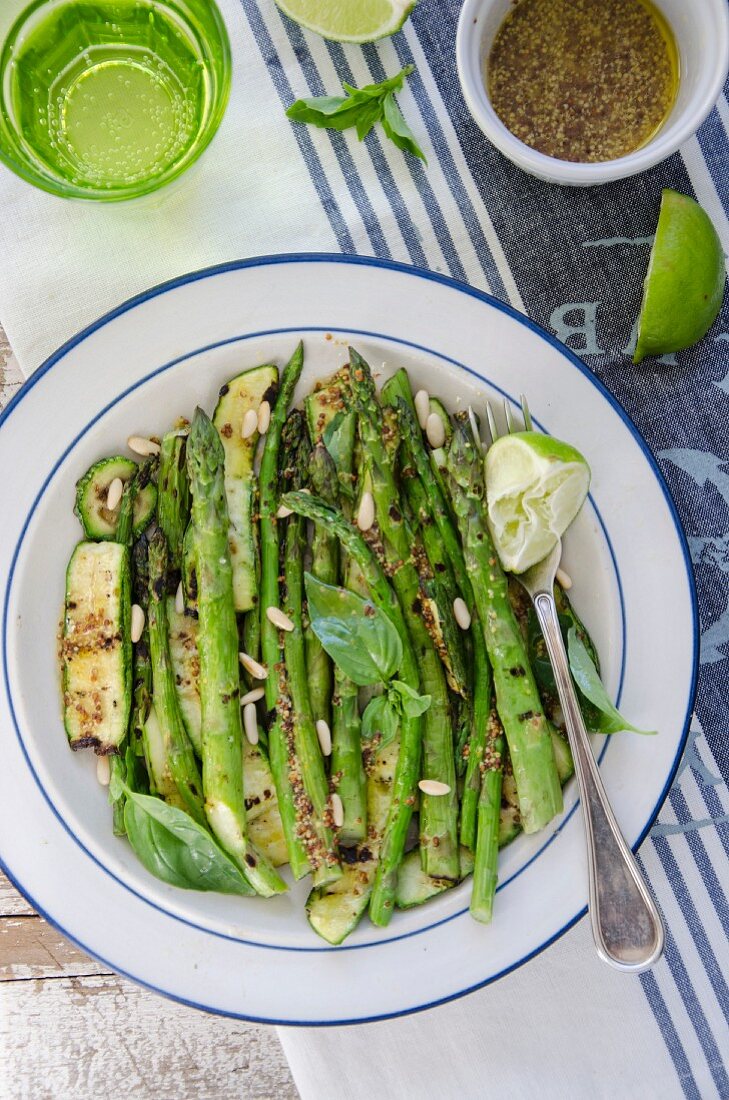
x=179 y=754
x=438 y=813
x=403 y=785
x=280 y=734
x=517 y=698
x=321 y=845
x=222 y=734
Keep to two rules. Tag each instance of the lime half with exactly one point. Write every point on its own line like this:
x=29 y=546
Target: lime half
x=535 y=486
x=349 y=20
x=684 y=285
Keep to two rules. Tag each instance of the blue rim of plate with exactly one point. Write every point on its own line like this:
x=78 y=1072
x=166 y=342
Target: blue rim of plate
x=454 y=284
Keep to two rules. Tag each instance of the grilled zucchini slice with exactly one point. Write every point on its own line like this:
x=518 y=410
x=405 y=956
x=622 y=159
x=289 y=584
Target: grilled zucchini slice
x=97 y=648
x=415 y=887
x=186 y=669
x=245 y=392
x=156 y=754
x=266 y=832
x=91 y=493
x=335 y=910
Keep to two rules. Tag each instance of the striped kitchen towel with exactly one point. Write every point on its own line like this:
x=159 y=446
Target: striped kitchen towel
x=573 y=260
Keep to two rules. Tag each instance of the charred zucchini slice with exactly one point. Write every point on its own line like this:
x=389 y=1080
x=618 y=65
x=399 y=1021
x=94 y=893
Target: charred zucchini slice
x=243 y=394
x=92 y=490
x=97 y=649
x=186 y=668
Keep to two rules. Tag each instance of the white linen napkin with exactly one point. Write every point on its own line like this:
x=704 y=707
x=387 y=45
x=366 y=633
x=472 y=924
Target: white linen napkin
x=564 y=1027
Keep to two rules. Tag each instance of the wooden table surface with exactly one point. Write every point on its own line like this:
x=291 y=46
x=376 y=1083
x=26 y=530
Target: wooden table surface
x=70 y=1030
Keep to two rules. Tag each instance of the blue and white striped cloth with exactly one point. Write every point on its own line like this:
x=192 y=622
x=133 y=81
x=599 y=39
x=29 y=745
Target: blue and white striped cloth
x=563 y=1027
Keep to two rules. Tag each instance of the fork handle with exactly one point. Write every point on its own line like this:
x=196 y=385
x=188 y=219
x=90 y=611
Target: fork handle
x=626 y=925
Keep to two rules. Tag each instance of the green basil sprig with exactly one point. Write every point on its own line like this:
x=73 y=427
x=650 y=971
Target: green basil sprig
x=358 y=637
x=361 y=108
x=585 y=675
x=383 y=714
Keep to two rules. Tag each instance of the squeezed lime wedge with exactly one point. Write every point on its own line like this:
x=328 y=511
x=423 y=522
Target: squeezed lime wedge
x=535 y=486
x=349 y=20
x=684 y=286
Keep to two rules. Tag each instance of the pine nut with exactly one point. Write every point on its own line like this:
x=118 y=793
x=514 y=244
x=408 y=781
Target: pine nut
x=250 y=424
x=180 y=600
x=252 y=696
x=264 y=417
x=337 y=811
x=142 y=446
x=422 y=407
x=435 y=431
x=114 y=495
x=283 y=512
x=564 y=579
x=103 y=770
x=325 y=738
x=434 y=787
x=366 y=511
x=276 y=616
x=250 y=723
x=137 y=625
x=256 y=670
x=461 y=612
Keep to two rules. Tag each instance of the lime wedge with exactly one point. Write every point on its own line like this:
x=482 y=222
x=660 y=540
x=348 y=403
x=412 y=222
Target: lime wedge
x=349 y=20
x=684 y=286
x=535 y=486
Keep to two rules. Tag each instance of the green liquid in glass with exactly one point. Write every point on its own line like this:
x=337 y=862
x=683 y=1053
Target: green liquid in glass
x=109 y=94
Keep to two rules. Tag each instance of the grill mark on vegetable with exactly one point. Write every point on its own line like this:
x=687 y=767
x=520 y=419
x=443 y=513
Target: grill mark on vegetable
x=271 y=394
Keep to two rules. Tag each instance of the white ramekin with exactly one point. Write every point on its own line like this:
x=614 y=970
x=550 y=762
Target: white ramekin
x=701 y=29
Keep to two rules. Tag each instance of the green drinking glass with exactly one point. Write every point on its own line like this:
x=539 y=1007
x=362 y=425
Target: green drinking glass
x=111 y=99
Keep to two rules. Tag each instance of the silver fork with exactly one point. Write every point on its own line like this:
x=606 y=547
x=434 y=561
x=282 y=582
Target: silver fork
x=626 y=925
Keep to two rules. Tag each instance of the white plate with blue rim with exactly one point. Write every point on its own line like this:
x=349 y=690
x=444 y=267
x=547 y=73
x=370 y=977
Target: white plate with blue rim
x=158 y=356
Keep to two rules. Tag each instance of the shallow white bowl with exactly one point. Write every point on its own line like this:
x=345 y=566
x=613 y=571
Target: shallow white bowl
x=701 y=30
x=160 y=355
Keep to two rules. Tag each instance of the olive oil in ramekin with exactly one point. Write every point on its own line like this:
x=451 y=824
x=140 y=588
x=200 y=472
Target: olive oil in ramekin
x=583 y=80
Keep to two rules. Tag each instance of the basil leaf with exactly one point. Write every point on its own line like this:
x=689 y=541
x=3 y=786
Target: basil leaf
x=585 y=676
x=358 y=637
x=177 y=850
x=397 y=129
x=380 y=718
x=361 y=108
x=302 y=109
x=372 y=91
x=338 y=438
x=406 y=699
x=367 y=116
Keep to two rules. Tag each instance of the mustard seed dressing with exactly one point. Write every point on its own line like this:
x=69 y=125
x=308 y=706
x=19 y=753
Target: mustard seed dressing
x=583 y=80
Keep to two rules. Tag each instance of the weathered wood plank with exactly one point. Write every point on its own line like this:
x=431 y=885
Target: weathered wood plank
x=10 y=377
x=92 y=1037
x=12 y=904
x=30 y=948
